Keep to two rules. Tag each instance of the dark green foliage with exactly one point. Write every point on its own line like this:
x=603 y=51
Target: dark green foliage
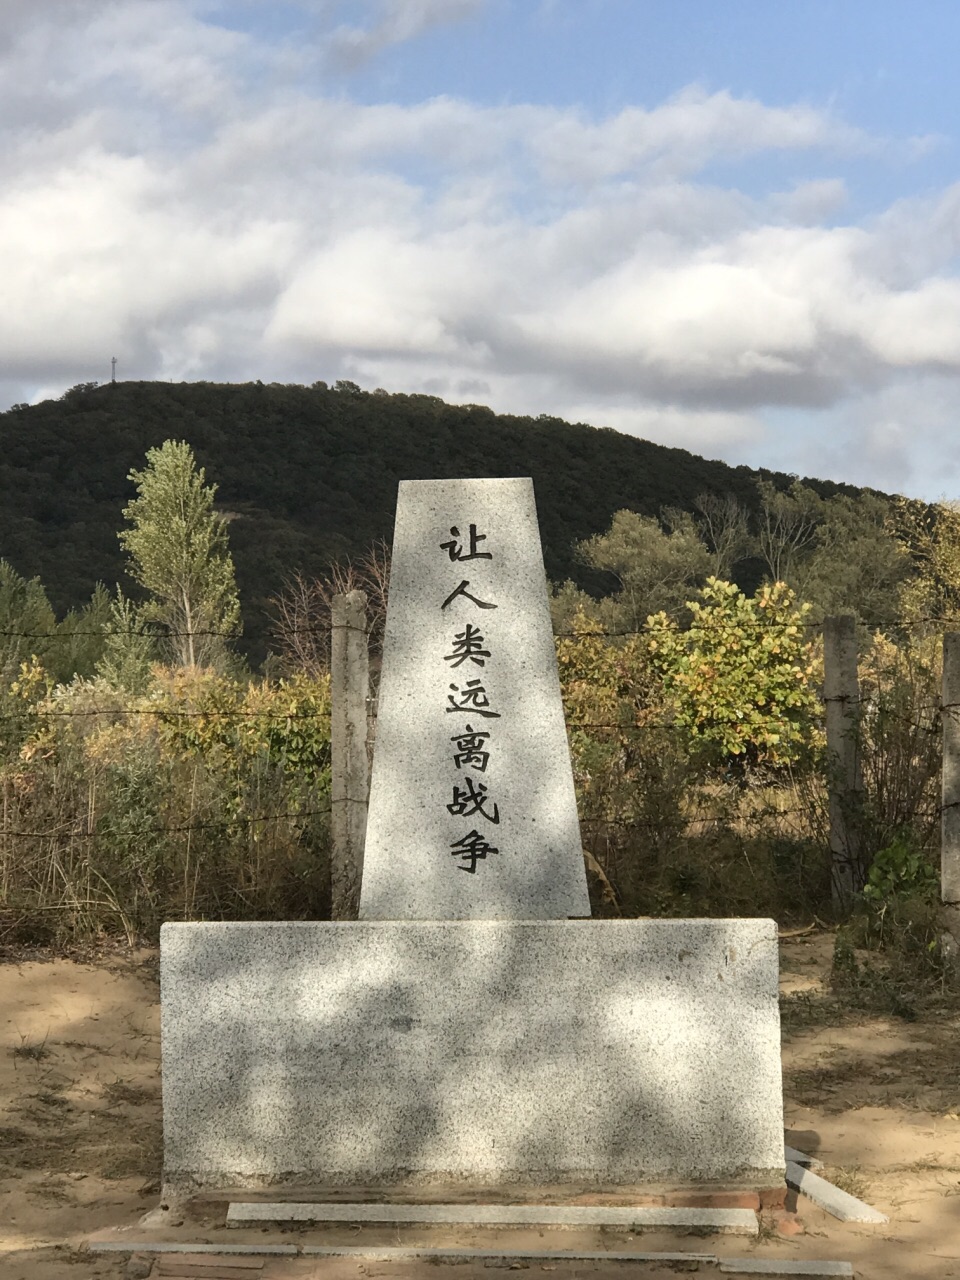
x=309 y=474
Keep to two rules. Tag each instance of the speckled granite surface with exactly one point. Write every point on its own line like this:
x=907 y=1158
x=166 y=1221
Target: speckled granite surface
x=615 y=1052
x=472 y=809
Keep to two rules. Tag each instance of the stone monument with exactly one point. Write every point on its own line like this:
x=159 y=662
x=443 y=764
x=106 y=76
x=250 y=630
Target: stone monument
x=465 y=1028
x=471 y=772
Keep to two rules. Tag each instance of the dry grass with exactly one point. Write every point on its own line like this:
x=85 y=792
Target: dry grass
x=31 y=1050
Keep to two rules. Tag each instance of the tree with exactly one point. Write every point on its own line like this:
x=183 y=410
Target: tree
x=742 y=676
x=724 y=525
x=27 y=622
x=655 y=570
x=787 y=528
x=302 y=610
x=178 y=551
x=859 y=563
x=129 y=647
x=932 y=537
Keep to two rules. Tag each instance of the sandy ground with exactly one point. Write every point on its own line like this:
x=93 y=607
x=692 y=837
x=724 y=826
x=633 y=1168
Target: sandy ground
x=876 y=1099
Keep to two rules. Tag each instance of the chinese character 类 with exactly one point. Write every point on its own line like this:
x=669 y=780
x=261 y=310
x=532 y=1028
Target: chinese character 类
x=468 y=643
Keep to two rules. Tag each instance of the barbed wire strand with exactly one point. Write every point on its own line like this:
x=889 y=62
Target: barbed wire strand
x=163 y=713
x=165 y=829
x=322 y=629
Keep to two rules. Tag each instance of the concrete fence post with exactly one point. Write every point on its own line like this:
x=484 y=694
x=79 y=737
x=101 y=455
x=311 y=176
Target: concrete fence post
x=350 y=772
x=950 y=793
x=841 y=692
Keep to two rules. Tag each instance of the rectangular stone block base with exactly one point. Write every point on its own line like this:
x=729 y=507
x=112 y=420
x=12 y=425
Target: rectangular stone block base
x=386 y=1053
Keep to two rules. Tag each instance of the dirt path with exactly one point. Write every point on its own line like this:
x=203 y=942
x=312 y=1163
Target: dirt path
x=876 y=1099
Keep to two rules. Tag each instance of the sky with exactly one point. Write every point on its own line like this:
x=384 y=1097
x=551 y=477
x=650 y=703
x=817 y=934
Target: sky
x=730 y=227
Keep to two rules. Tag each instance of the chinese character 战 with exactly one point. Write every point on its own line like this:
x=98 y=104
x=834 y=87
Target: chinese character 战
x=469 y=799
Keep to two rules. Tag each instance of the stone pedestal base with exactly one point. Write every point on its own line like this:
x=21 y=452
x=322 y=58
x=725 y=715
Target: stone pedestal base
x=606 y=1053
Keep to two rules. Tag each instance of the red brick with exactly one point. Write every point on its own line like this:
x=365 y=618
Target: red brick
x=786 y=1223
x=713 y=1200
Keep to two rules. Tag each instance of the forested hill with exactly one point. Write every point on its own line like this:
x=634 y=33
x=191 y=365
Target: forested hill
x=310 y=474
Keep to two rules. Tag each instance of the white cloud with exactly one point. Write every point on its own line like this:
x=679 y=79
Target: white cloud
x=810 y=203
x=683 y=134
x=158 y=206
x=101 y=253
x=395 y=21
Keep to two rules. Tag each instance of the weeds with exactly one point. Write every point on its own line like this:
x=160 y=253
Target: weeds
x=31 y=1050
x=852 y=1180
x=803 y=1009
x=209 y=801
x=120 y=1092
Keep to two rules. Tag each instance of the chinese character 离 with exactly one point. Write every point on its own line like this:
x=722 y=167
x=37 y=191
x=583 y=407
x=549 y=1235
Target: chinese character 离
x=470 y=749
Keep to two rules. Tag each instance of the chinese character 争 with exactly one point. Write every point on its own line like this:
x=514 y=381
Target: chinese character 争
x=472 y=848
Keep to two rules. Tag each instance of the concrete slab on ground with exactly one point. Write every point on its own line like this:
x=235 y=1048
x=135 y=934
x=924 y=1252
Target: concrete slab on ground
x=839 y=1203
x=725 y=1221
x=783 y=1267
x=193 y=1266
x=388 y=1254
x=175 y=1246
x=798 y=1157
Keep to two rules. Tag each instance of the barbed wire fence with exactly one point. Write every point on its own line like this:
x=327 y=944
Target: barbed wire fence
x=836 y=805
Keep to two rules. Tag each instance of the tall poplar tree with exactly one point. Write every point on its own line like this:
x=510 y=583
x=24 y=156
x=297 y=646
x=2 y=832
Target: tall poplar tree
x=178 y=551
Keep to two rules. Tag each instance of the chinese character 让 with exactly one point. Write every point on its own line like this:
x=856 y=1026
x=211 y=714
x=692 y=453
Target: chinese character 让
x=468 y=643
x=455 y=549
x=473 y=698
x=471 y=848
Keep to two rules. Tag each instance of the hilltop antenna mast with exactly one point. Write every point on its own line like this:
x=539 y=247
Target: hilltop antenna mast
x=113 y=369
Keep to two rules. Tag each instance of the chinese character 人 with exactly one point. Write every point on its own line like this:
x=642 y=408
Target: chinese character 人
x=470 y=799
x=468 y=643
x=462 y=591
x=454 y=549
x=473 y=697
x=471 y=848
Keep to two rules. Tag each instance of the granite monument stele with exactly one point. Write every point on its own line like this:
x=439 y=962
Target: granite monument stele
x=474 y=1026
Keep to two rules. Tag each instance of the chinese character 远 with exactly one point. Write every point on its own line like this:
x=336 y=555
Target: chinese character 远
x=470 y=799
x=473 y=698
x=462 y=591
x=455 y=550
x=472 y=848
x=468 y=643
x=470 y=749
